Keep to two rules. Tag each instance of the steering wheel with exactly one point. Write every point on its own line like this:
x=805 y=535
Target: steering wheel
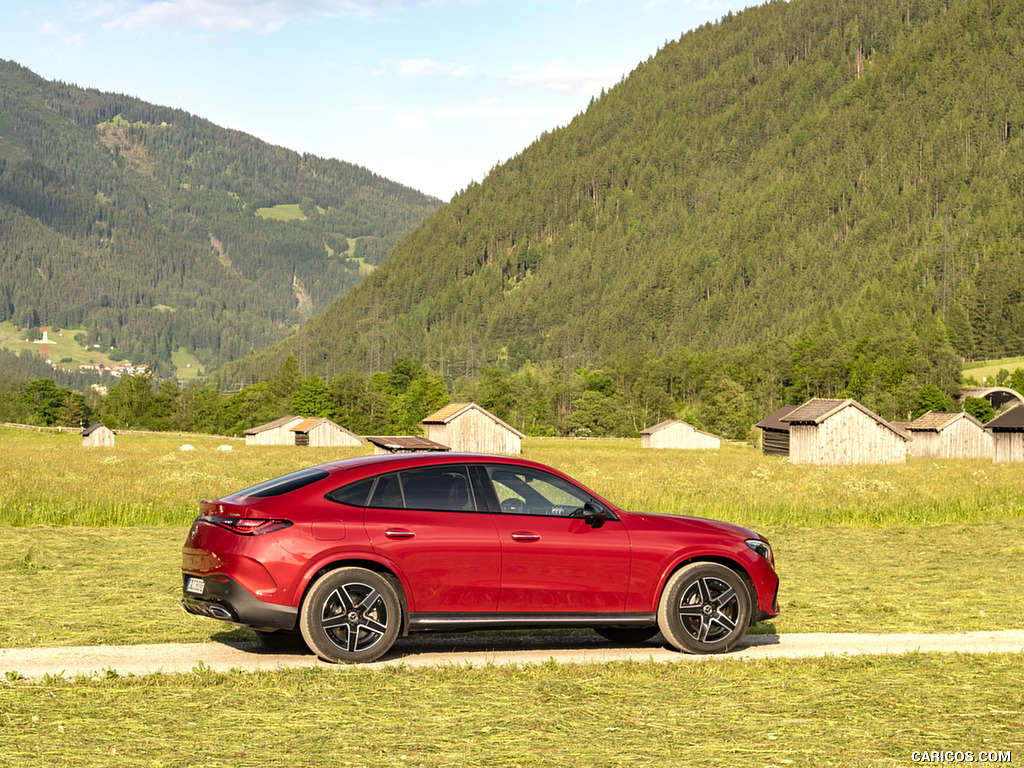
x=513 y=506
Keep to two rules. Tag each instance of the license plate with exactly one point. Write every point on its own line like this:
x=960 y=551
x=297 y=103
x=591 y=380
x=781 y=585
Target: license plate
x=196 y=586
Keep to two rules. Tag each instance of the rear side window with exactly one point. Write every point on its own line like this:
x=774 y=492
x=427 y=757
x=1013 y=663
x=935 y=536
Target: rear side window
x=446 y=488
x=355 y=494
x=284 y=484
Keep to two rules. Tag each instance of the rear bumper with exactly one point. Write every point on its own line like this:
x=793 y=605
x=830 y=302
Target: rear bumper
x=225 y=599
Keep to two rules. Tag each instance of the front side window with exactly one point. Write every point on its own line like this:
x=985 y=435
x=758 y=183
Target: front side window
x=523 y=491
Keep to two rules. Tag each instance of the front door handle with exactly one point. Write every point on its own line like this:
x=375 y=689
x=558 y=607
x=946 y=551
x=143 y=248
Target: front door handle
x=524 y=536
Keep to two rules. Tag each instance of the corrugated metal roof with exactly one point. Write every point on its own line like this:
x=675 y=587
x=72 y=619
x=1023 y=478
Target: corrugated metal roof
x=407 y=444
x=774 y=421
x=1011 y=420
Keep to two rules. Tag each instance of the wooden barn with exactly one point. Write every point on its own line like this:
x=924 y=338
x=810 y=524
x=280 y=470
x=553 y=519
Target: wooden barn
x=775 y=432
x=949 y=435
x=467 y=427
x=98 y=436
x=323 y=433
x=843 y=432
x=677 y=434
x=276 y=432
x=1008 y=434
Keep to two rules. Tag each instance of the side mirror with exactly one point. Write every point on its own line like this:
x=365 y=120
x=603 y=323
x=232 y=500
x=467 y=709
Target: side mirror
x=593 y=515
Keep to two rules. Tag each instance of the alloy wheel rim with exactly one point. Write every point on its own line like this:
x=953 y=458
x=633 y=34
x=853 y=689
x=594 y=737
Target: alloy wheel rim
x=709 y=609
x=355 y=617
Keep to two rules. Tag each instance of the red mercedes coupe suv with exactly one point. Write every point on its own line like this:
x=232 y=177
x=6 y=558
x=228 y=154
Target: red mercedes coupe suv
x=354 y=553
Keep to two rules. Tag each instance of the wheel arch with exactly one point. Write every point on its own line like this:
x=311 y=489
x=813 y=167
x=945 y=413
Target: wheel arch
x=729 y=562
x=371 y=565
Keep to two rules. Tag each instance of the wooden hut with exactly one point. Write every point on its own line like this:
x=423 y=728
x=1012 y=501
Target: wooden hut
x=98 y=436
x=843 y=432
x=1008 y=434
x=949 y=435
x=276 y=432
x=323 y=433
x=677 y=434
x=468 y=427
x=383 y=445
x=775 y=432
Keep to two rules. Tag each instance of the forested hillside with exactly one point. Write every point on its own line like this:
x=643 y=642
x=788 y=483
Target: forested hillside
x=155 y=230
x=810 y=197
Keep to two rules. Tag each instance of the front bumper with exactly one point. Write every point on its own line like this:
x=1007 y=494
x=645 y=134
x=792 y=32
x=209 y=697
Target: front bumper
x=225 y=599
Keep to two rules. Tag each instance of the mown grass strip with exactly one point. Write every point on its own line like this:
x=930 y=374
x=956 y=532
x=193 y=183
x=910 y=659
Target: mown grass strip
x=65 y=586
x=863 y=711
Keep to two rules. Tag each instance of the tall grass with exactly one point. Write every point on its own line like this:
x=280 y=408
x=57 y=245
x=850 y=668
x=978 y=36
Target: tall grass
x=51 y=479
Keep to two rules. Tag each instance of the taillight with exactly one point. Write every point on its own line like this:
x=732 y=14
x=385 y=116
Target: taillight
x=247 y=526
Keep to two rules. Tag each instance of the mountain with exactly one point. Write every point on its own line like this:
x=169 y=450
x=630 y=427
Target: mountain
x=155 y=230
x=790 y=182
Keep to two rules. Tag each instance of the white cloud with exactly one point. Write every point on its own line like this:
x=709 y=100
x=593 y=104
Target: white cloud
x=236 y=15
x=558 y=77
x=52 y=30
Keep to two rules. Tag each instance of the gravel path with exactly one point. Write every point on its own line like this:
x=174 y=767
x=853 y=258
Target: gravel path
x=440 y=650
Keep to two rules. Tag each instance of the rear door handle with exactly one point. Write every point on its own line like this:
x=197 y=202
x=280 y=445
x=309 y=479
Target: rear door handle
x=398 y=533
x=524 y=536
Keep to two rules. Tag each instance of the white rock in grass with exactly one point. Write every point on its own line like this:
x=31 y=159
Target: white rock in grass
x=187 y=447
x=225 y=448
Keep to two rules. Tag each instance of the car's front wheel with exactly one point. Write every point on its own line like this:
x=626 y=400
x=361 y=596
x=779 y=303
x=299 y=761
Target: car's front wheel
x=704 y=608
x=350 y=615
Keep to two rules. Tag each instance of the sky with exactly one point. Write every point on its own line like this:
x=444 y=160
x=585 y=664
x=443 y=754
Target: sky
x=429 y=93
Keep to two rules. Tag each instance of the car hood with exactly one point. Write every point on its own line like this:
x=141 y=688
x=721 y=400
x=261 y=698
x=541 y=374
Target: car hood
x=660 y=521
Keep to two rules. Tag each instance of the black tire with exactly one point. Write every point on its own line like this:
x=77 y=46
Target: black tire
x=350 y=615
x=705 y=608
x=627 y=634
x=282 y=641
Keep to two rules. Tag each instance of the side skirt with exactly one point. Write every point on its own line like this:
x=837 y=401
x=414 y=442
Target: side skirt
x=455 y=622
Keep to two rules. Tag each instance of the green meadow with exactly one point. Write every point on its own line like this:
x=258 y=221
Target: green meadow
x=90 y=549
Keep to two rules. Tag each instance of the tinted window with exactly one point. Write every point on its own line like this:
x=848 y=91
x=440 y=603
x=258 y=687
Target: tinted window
x=284 y=484
x=354 y=494
x=531 y=492
x=442 y=488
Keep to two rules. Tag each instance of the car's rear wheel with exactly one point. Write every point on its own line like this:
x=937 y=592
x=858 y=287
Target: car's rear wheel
x=704 y=608
x=350 y=615
x=627 y=634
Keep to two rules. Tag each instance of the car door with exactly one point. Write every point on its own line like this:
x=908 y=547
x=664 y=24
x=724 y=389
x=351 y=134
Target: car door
x=425 y=520
x=552 y=560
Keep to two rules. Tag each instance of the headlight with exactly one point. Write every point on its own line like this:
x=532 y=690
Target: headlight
x=763 y=548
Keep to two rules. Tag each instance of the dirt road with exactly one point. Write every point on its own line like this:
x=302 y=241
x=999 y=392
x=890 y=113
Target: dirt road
x=439 y=650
